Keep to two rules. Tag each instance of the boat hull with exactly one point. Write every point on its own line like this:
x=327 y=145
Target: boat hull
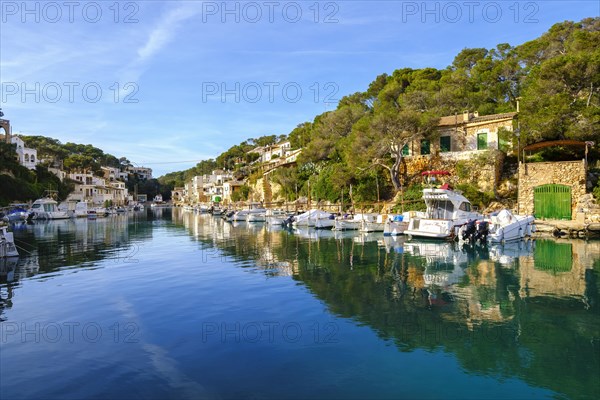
x=346 y=225
x=393 y=228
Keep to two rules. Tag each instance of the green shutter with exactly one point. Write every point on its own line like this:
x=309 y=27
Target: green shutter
x=481 y=141
x=445 y=144
x=405 y=150
x=425 y=147
x=552 y=201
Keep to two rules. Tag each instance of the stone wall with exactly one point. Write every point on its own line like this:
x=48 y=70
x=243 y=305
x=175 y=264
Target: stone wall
x=569 y=173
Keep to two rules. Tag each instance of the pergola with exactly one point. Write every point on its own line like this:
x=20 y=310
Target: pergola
x=571 y=143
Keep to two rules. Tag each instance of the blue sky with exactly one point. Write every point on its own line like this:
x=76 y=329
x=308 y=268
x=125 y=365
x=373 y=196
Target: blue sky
x=169 y=83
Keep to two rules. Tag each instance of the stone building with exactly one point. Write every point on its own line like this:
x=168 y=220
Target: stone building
x=471 y=147
x=552 y=190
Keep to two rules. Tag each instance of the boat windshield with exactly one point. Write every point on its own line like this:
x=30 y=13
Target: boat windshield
x=440 y=209
x=465 y=206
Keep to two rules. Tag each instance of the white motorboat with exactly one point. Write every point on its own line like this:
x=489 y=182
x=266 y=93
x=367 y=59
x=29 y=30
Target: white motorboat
x=47 y=208
x=506 y=226
x=310 y=217
x=447 y=210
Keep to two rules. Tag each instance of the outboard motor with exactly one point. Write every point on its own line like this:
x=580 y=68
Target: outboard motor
x=483 y=230
x=469 y=231
x=288 y=222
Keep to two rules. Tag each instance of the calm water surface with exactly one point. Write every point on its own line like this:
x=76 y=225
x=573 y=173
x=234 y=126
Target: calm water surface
x=176 y=305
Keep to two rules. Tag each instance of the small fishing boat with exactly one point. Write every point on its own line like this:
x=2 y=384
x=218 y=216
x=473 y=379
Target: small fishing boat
x=347 y=222
x=242 y=215
x=372 y=223
x=16 y=212
x=276 y=217
x=7 y=243
x=82 y=209
x=256 y=216
x=396 y=224
x=325 y=223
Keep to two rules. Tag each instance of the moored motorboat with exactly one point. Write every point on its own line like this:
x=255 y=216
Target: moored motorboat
x=310 y=217
x=506 y=226
x=325 y=223
x=47 y=208
x=447 y=210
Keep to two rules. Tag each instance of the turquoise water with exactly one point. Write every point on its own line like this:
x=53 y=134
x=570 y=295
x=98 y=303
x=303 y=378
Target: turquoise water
x=176 y=305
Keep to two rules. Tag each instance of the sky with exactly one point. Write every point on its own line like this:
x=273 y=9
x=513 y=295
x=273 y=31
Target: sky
x=169 y=83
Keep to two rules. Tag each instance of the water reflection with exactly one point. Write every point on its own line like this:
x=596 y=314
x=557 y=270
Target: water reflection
x=526 y=309
x=48 y=246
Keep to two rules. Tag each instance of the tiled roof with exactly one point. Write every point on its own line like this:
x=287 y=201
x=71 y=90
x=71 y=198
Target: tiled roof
x=452 y=120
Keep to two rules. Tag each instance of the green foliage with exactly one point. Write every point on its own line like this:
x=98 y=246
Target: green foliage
x=596 y=191
x=22 y=185
x=475 y=196
x=289 y=180
x=412 y=198
x=241 y=194
x=560 y=92
x=75 y=156
x=463 y=170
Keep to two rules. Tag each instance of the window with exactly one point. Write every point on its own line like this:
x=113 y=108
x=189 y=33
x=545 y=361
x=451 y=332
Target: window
x=482 y=141
x=32 y=158
x=405 y=150
x=464 y=206
x=445 y=144
x=425 y=147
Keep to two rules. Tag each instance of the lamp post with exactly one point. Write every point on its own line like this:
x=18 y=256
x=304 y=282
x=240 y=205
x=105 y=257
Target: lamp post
x=518 y=135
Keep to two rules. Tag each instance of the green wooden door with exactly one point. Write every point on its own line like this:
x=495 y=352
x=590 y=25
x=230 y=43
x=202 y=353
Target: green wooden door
x=552 y=201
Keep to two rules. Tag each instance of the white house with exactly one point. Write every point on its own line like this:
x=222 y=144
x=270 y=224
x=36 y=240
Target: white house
x=143 y=173
x=27 y=157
